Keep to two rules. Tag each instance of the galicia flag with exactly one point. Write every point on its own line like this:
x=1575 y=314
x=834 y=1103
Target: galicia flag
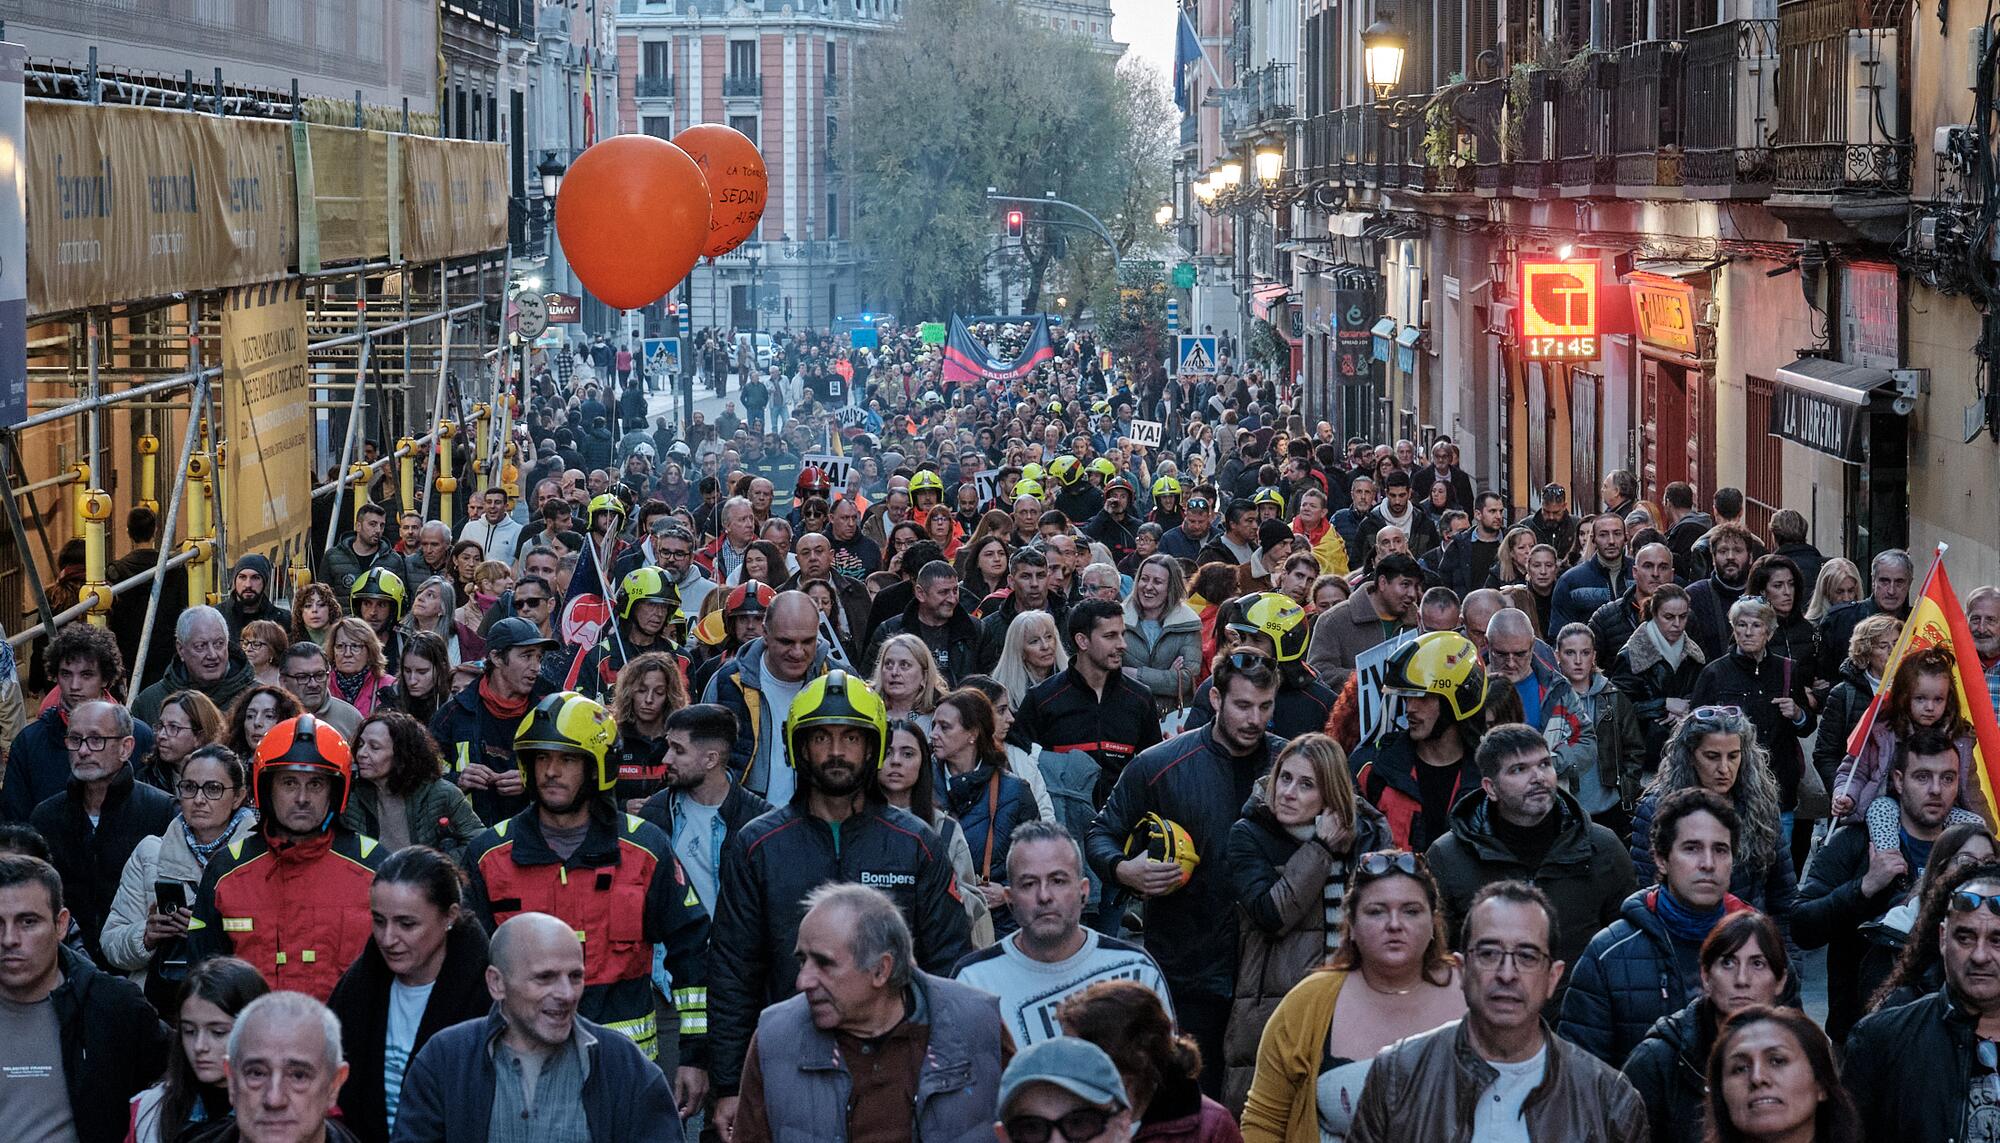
x=966 y=361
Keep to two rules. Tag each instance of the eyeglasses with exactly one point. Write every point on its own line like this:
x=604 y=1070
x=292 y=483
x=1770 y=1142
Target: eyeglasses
x=1079 y=1126
x=529 y=601
x=1966 y=901
x=163 y=727
x=1245 y=660
x=1527 y=958
x=203 y=791
x=1716 y=712
x=309 y=677
x=90 y=742
x=1382 y=861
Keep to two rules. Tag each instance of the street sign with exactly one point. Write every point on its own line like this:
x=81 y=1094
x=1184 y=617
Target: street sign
x=1147 y=433
x=565 y=309
x=1184 y=276
x=1174 y=314
x=531 y=314
x=1197 y=355
x=663 y=355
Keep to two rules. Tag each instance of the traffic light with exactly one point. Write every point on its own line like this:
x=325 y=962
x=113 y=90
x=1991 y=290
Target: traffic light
x=1015 y=222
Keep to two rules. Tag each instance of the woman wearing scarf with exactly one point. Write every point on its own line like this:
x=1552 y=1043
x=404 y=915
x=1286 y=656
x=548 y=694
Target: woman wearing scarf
x=213 y=793
x=1658 y=666
x=360 y=675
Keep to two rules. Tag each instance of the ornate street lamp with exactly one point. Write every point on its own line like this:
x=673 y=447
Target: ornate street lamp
x=1163 y=215
x=551 y=170
x=1382 y=51
x=1269 y=164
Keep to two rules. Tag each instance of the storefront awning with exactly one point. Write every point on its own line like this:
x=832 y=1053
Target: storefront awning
x=1834 y=380
x=1264 y=297
x=1818 y=404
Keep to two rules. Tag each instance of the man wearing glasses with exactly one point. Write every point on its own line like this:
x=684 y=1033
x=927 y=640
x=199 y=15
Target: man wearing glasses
x=304 y=672
x=1501 y=1050
x=1521 y=825
x=87 y=664
x=93 y=826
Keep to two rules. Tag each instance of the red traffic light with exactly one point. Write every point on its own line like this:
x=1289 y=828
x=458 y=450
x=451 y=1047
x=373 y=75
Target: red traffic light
x=1014 y=223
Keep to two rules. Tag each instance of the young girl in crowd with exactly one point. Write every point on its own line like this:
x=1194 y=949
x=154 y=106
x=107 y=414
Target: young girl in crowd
x=1923 y=694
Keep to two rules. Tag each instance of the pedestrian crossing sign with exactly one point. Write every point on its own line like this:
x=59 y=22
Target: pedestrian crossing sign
x=1197 y=355
x=663 y=356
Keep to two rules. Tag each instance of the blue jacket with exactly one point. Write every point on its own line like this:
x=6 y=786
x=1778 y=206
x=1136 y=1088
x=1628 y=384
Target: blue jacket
x=1583 y=589
x=38 y=762
x=760 y=731
x=1766 y=888
x=989 y=819
x=1627 y=978
x=448 y=1091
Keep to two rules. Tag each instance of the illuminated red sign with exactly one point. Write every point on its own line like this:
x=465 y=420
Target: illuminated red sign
x=1559 y=318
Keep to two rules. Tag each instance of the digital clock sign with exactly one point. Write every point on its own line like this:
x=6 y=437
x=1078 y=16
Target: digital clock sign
x=1559 y=320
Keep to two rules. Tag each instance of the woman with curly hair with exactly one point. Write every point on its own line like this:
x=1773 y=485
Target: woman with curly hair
x=314 y=612
x=649 y=689
x=360 y=676
x=1716 y=748
x=252 y=716
x=400 y=796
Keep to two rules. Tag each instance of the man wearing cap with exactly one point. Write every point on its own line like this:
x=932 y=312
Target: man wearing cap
x=475 y=730
x=1260 y=574
x=292 y=897
x=611 y=876
x=836 y=826
x=250 y=596
x=1066 y=1085
x=869 y=1042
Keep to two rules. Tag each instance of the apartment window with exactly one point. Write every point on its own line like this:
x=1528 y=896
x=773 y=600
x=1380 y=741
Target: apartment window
x=743 y=57
x=832 y=215
x=658 y=58
x=746 y=124
x=658 y=126
x=832 y=131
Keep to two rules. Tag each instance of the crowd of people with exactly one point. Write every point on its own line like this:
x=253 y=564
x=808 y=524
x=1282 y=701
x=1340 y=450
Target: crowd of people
x=999 y=774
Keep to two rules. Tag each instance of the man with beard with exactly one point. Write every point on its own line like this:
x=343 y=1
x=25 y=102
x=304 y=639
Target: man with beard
x=1596 y=581
x=647 y=603
x=250 y=596
x=701 y=809
x=611 y=877
x=1052 y=956
x=1982 y=616
x=1850 y=881
x=301 y=880
x=1192 y=786
x=835 y=827
x=1521 y=825
x=380 y=598
x=1554 y=524
x=1185 y=540
x=87 y=664
x=1415 y=775
x=1709 y=599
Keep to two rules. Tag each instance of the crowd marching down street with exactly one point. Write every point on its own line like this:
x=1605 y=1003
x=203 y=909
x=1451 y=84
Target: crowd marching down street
x=882 y=756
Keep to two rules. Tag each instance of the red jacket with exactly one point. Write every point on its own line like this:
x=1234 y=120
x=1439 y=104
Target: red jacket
x=297 y=911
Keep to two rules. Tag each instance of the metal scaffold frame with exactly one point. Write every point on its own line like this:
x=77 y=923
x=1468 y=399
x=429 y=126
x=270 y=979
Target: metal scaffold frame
x=389 y=351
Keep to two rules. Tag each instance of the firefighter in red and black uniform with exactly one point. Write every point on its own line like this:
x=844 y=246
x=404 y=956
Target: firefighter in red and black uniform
x=647 y=603
x=611 y=876
x=1417 y=774
x=292 y=898
x=744 y=610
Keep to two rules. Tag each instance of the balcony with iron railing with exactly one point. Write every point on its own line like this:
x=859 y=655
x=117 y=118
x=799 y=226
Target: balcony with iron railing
x=1729 y=81
x=1839 y=128
x=1530 y=131
x=1320 y=140
x=1479 y=108
x=742 y=86
x=1585 y=161
x=1270 y=94
x=1646 y=114
x=1358 y=145
x=1190 y=130
x=656 y=87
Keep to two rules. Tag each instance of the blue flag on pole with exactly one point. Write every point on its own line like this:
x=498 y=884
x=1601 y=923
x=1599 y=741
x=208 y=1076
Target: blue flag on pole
x=1187 y=49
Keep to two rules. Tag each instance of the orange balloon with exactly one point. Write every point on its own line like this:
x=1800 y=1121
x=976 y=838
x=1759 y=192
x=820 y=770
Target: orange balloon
x=738 y=184
x=632 y=215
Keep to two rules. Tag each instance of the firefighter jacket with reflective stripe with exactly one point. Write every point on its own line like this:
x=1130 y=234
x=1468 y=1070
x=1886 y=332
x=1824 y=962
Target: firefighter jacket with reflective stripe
x=297 y=911
x=623 y=892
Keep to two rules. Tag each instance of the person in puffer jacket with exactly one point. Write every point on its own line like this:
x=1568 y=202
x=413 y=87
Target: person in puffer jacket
x=1647 y=963
x=988 y=801
x=1289 y=859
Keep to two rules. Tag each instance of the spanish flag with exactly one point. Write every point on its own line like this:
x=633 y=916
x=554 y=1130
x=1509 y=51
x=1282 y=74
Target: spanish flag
x=1938 y=620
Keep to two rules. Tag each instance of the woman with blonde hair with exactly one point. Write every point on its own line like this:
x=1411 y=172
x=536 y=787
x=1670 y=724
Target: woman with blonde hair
x=1289 y=857
x=360 y=676
x=264 y=644
x=1839 y=582
x=1162 y=633
x=1511 y=564
x=908 y=679
x=1032 y=652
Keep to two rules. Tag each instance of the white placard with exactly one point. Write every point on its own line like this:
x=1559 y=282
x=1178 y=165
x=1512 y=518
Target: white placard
x=1147 y=433
x=988 y=483
x=1380 y=711
x=835 y=467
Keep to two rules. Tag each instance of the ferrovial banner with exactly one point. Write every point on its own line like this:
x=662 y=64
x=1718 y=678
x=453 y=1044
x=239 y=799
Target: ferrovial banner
x=131 y=202
x=267 y=453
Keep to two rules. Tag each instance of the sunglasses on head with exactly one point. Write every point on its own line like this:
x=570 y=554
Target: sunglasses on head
x=1383 y=861
x=1966 y=901
x=1707 y=712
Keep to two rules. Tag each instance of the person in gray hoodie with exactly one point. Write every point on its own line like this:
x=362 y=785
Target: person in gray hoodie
x=758 y=686
x=1593 y=731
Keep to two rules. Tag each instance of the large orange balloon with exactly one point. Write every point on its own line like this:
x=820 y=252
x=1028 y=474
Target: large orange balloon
x=632 y=216
x=738 y=185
